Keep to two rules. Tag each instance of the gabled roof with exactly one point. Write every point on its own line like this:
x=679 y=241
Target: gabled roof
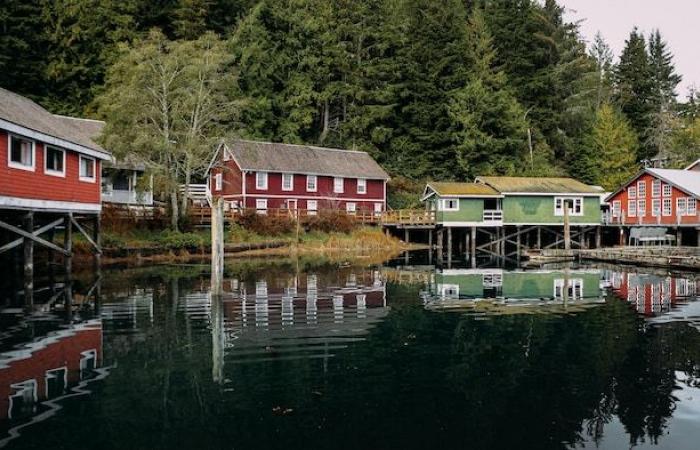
x=694 y=166
x=687 y=181
x=304 y=159
x=21 y=115
x=538 y=185
x=453 y=189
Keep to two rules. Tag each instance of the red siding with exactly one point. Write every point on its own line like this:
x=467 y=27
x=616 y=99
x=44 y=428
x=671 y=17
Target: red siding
x=39 y=186
x=277 y=198
x=648 y=218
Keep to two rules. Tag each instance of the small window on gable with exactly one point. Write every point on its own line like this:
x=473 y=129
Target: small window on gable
x=218 y=182
x=667 y=190
x=21 y=153
x=692 y=206
x=641 y=189
x=87 y=169
x=54 y=161
x=617 y=208
x=656 y=188
x=632 y=192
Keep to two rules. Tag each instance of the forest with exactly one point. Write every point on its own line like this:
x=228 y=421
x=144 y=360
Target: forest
x=433 y=89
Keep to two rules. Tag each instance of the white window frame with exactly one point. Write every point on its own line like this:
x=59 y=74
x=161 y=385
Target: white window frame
x=641 y=207
x=290 y=177
x=559 y=206
x=692 y=206
x=632 y=208
x=312 y=207
x=446 y=202
x=656 y=188
x=617 y=208
x=351 y=207
x=681 y=206
x=52 y=172
x=338 y=185
x=261 y=179
x=218 y=182
x=378 y=207
x=632 y=192
x=261 y=206
x=664 y=211
x=641 y=189
x=361 y=186
x=92 y=179
x=52 y=373
x=14 y=164
x=311 y=186
x=667 y=190
x=656 y=207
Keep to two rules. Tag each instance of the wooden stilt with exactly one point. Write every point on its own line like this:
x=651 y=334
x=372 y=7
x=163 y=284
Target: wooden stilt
x=539 y=237
x=598 y=236
x=97 y=238
x=527 y=240
x=567 y=227
x=29 y=263
x=472 y=251
x=407 y=235
x=466 y=244
x=430 y=239
x=449 y=247
x=622 y=240
x=517 y=245
x=439 y=245
x=68 y=266
x=217 y=248
x=679 y=236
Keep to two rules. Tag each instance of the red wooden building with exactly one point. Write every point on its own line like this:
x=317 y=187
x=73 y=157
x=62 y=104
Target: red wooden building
x=47 y=163
x=265 y=176
x=657 y=197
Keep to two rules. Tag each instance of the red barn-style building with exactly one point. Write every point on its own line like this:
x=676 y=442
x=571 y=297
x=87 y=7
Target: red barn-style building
x=266 y=176
x=657 y=197
x=47 y=162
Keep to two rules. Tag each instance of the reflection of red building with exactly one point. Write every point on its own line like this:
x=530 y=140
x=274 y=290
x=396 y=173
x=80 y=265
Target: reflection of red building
x=652 y=294
x=46 y=368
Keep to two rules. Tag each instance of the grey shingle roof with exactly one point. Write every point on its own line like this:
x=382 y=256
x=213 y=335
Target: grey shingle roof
x=25 y=113
x=305 y=159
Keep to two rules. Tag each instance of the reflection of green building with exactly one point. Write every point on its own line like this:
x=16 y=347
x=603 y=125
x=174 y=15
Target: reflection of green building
x=479 y=284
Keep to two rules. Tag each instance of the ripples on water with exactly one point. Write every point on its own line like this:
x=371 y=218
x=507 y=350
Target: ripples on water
x=321 y=356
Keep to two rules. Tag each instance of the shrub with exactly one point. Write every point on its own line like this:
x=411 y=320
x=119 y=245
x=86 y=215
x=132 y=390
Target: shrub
x=272 y=225
x=329 y=221
x=180 y=241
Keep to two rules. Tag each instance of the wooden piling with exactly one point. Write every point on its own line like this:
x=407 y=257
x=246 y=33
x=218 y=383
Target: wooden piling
x=539 y=237
x=472 y=251
x=567 y=227
x=440 y=239
x=430 y=239
x=68 y=267
x=407 y=235
x=679 y=236
x=449 y=247
x=598 y=236
x=217 y=247
x=517 y=242
x=29 y=263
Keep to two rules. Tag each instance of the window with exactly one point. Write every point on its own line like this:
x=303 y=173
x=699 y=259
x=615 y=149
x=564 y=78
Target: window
x=361 y=186
x=287 y=182
x=312 y=207
x=692 y=207
x=21 y=153
x=656 y=207
x=450 y=204
x=575 y=205
x=632 y=208
x=680 y=206
x=218 y=182
x=311 y=183
x=338 y=185
x=54 y=161
x=261 y=206
x=378 y=207
x=656 y=188
x=641 y=207
x=667 y=190
x=261 y=180
x=641 y=189
x=667 y=207
x=56 y=382
x=87 y=169
x=617 y=208
x=632 y=192
x=350 y=208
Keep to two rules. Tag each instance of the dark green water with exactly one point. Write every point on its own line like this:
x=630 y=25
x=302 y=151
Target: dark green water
x=316 y=356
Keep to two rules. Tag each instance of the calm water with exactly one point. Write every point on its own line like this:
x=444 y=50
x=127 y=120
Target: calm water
x=319 y=356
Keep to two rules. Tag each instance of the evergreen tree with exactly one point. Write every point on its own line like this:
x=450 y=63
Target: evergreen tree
x=603 y=56
x=190 y=18
x=635 y=90
x=612 y=147
x=490 y=128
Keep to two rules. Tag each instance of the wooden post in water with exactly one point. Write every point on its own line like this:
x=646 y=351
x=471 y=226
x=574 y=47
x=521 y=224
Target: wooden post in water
x=472 y=251
x=517 y=242
x=68 y=266
x=430 y=239
x=679 y=236
x=97 y=237
x=407 y=235
x=29 y=263
x=217 y=248
x=449 y=247
x=539 y=238
x=598 y=236
x=466 y=244
x=567 y=227
x=440 y=239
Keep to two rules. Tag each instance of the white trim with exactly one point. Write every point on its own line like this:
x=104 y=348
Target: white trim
x=258 y=177
x=218 y=182
x=305 y=197
x=337 y=190
x=663 y=207
x=16 y=165
x=559 y=212
x=315 y=178
x=552 y=194
x=93 y=178
x=442 y=205
x=47 y=377
x=54 y=173
x=578 y=224
x=291 y=182
x=259 y=209
x=47 y=139
x=49 y=205
x=450 y=224
x=315 y=204
x=351 y=207
x=364 y=185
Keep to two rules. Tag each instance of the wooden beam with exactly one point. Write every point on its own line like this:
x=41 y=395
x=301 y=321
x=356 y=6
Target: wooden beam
x=18 y=242
x=85 y=234
x=29 y=262
x=31 y=236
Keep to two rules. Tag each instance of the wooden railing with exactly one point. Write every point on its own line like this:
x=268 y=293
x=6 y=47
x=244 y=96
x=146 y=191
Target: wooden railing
x=201 y=215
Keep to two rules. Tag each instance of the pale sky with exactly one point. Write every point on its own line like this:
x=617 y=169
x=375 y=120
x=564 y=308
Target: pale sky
x=676 y=19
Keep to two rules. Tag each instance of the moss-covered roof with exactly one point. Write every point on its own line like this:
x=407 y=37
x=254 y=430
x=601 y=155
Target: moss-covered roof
x=542 y=185
x=462 y=189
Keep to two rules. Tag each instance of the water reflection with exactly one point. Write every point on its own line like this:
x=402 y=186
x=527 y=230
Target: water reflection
x=304 y=356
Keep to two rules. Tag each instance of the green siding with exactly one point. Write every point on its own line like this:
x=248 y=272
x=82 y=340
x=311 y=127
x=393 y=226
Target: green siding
x=540 y=209
x=541 y=285
x=470 y=210
x=470 y=285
